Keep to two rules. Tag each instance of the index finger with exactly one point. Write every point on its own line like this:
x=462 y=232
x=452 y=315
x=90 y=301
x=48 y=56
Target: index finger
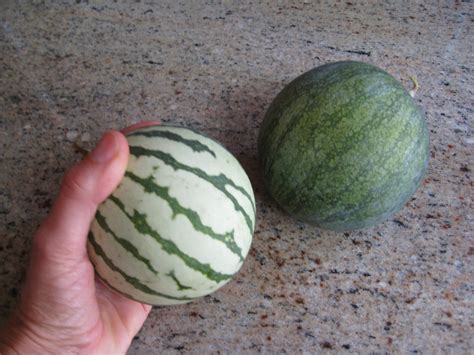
x=139 y=125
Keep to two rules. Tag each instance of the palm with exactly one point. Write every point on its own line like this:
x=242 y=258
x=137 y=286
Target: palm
x=122 y=317
x=78 y=309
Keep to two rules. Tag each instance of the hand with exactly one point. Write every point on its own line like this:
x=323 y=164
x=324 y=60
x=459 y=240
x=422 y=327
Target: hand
x=64 y=308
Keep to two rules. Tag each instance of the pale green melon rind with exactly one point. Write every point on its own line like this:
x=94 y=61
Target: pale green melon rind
x=124 y=243
x=192 y=278
x=220 y=182
x=150 y=186
x=98 y=251
x=343 y=146
x=166 y=131
x=140 y=223
x=194 y=144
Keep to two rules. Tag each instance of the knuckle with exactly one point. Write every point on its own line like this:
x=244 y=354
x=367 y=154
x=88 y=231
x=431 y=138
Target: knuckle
x=43 y=249
x=72 y=187
x=54 y=251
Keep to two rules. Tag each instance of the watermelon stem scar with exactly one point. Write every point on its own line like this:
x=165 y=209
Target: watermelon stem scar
x=416 y=86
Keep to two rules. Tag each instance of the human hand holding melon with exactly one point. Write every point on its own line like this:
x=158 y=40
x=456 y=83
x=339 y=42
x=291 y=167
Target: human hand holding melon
x=175 y=223
x=63 y=308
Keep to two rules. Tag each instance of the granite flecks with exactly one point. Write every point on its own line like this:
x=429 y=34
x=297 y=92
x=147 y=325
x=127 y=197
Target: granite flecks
x=69 y=72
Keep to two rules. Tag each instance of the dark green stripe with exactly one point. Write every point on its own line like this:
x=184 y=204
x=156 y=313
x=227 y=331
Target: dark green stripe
x=130 y=279
x=218 y=181
x=123 y=242
x=141 y=225
x=181 y=287
x=195 y=145
x=151 y=186
x=116 y=290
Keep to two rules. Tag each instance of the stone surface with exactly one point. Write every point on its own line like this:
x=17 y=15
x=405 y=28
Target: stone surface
x=69 y=72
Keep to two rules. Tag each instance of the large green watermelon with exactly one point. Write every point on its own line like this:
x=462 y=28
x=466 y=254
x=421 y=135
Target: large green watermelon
x=343 y=146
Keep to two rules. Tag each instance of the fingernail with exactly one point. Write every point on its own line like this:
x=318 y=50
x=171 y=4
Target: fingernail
x=106 y=149
x=138 y=125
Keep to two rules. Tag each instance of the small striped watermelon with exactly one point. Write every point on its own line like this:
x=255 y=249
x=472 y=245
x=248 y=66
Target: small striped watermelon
x=179 y=224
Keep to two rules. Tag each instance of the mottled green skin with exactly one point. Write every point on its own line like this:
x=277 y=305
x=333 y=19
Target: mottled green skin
x=343 y=146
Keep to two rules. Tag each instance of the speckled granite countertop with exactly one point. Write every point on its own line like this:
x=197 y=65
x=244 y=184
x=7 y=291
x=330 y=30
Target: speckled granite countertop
x=69 y=72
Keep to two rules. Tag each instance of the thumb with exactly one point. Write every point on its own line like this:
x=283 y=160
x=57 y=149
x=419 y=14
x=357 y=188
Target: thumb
x=64 y=232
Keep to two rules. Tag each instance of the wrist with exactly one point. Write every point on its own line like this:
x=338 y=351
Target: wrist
x=16 y=338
